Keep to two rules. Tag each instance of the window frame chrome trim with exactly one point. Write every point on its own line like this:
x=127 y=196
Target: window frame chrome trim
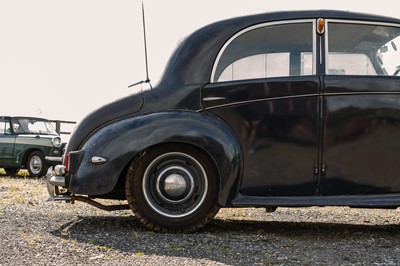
x=267 y=24
x=344 y=21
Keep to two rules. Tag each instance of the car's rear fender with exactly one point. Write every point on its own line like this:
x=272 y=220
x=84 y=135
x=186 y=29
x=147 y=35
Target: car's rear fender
x=120 y=142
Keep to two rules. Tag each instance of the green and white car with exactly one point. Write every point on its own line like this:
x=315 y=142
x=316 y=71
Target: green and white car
x=28 y=142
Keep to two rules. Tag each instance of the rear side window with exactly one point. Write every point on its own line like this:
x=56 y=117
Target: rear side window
x=362 y=49
x=4 y=127
x=267 y=51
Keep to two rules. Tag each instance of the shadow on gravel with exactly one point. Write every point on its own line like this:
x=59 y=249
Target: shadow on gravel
x=226 y=241
x=21 y=176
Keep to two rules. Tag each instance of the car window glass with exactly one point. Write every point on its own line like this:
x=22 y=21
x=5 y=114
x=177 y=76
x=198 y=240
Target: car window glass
x=5 y=128
x=32 y=126
x=362 y=49
x=350 y=64
x=270 y=51
x=2 y=126
x=389 y=57
x=17 y=126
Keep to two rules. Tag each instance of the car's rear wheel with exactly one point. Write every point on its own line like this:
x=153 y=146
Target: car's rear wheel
x=173 y=189
x=36 y=164
x=11 y=171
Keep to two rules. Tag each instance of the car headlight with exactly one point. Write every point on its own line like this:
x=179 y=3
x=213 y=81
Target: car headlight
x=56 y=142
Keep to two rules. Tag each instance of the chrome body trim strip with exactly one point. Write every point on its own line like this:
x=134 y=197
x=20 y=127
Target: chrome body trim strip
x=361 y=93
x=261 y=100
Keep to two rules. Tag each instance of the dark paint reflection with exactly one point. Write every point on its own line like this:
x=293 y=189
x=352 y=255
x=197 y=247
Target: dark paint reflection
x=278 y=134
x=362 y=145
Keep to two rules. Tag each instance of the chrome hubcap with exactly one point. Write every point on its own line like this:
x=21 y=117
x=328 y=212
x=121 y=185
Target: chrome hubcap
x=36 y=164
x=175 y=184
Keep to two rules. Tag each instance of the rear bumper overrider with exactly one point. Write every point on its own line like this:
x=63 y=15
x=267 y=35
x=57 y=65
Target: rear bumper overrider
x=56 y=180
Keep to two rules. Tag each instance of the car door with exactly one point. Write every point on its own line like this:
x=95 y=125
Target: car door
x=361 y=109
x=264 y=85
x=7 y=140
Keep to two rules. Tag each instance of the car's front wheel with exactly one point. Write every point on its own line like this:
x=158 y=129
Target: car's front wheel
x=173 y=188
x=36 y=164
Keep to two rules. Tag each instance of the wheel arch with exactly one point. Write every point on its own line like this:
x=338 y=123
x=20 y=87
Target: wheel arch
x=28 y=152
x=122 y=141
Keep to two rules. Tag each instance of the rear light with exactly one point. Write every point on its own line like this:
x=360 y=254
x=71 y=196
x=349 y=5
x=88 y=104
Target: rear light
x=67 y=162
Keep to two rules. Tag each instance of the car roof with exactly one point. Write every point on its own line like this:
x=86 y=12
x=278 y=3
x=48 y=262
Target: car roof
x=192 y=61
x=23 y=117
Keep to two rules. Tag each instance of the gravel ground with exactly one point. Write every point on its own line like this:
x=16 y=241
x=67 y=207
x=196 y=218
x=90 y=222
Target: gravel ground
x=35 y=232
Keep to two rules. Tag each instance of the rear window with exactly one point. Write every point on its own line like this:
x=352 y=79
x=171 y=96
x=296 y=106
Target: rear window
x=267 y=51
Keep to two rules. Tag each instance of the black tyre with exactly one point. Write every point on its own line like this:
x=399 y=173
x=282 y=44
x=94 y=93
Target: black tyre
x=173 y=189
x=36 y=164
x=11 y=171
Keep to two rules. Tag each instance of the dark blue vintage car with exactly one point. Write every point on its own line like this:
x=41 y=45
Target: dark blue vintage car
x=286 y=109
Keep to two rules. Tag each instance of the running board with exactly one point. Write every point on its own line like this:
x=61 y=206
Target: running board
x=369 y=201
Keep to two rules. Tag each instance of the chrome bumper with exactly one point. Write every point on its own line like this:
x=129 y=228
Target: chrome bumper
x=53 y=158
x=55 y=180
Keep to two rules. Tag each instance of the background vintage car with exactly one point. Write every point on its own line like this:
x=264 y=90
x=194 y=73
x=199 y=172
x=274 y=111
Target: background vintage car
x=279 y=109
x=28 y=142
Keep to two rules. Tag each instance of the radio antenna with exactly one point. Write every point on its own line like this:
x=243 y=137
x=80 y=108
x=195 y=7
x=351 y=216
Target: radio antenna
x=147 y=80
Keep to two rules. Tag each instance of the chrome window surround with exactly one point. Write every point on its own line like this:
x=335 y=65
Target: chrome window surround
x=327 y=21
x=268 y=24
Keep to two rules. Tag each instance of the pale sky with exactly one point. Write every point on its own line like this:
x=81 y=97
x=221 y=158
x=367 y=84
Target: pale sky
x=63 y=59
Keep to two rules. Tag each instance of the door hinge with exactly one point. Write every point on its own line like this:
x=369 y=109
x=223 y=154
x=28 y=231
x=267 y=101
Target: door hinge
x=317 y=170
x=323 y=169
